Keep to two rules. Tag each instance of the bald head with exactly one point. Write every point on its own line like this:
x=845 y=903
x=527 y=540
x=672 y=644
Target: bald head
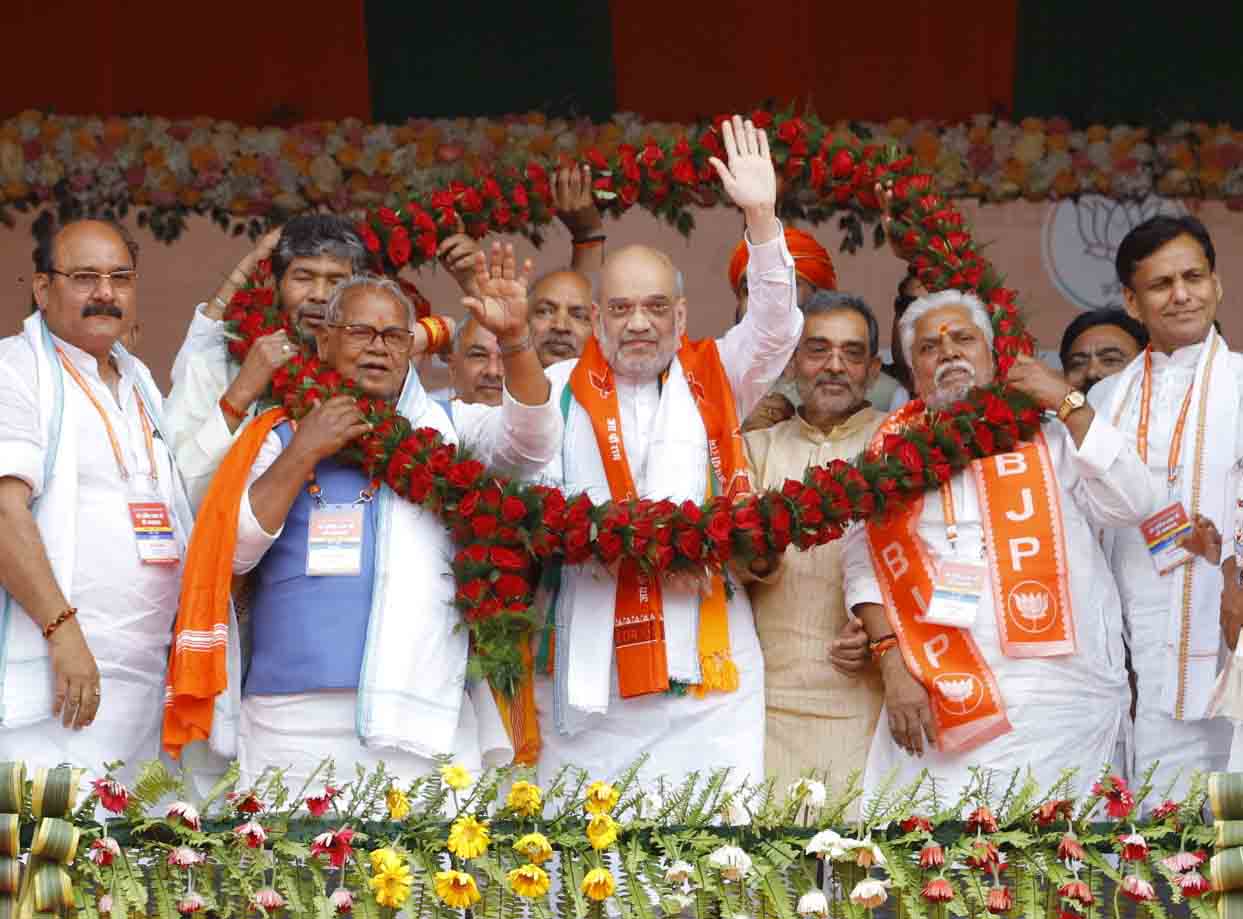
x=640 y=315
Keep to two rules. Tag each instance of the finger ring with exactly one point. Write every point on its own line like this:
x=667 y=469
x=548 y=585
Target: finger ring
x=288 y=348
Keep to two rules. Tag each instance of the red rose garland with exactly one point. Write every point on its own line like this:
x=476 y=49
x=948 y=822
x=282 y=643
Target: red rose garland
x=503 y=527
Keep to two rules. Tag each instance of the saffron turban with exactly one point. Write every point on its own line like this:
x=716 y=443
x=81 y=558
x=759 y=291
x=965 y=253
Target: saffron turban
x=811 y=261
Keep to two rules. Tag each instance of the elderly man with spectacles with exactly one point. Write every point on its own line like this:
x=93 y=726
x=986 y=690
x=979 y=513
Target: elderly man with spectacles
x=93 y=517
x=356 y=652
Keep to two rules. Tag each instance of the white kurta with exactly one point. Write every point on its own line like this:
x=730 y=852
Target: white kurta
x=681 y=734
x=297 y=731
x=1065 y=711
x=1148 y=601
x=125 y=608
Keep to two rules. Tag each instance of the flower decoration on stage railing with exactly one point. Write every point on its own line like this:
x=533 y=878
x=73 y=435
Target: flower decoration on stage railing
x=171 y=169
x=503 y=528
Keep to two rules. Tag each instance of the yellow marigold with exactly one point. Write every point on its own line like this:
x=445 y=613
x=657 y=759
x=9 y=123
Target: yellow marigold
x=385 y=859
x=535 y=847
x=468 y=838
x=392 y=886
x=397 y=802
x=456 y=777
x=601 y=797
x=528 y=881
x=456 y=888
x=602 y=831
x=525 y=799
x=598 y=884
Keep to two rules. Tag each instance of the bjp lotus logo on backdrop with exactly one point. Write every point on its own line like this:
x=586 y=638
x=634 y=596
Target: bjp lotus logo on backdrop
x=1080 y=239
x=959 y=693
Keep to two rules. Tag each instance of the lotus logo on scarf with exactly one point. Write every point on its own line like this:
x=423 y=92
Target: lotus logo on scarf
x=1029 y=607
x=602 y=383
x=959 y=693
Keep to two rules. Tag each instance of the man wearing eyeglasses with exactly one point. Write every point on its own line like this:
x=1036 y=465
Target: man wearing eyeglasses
x=357 y=651
x=671 y=667
x=93 y=517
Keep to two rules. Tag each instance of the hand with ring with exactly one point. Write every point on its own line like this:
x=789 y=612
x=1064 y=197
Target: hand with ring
x=77 y=694
x=266 y=355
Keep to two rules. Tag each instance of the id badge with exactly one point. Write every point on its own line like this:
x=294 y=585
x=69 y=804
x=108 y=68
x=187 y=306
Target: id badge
x=335 y=541
x=1161 y=532
x=956 y=591
x=153 y=531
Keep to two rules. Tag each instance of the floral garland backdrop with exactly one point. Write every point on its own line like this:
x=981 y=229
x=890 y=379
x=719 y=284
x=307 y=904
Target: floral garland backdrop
x=502 y=528
x=171 y=169
x=369 y=844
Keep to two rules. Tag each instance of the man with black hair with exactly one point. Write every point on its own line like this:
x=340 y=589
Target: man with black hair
x=212 y=396
x=1098 y=344
x=93 y=518
x=1180 y=400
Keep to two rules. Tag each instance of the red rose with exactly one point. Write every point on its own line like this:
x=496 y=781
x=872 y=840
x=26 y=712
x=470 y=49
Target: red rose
x=719 y=527
x=628 y=195
x=577 y=542
x=370 y=240
x=476 y=554
x=470 y=501
x=473 y=591
x=509 y=586
x=507 y=559
x=596 y=159
x=690 y=543
x=762 y=119
x=684 y=172
x=909 y=456
x=984 y=439
x=440 y=460
x=996 y=411
x=791 y=130
x=427 y=244
x=483 y=526
x=466 y=473
x=690 y=512
x=388 y=216
x=819 y=171
x=512 y=509
x=519 y=196
x=842 y=164
x=662 y=557
x=399 y=247
x=608 y=546
x=651 y=155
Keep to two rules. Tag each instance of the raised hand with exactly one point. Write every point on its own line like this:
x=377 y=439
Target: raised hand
x=749 y=179
x=501 y=306
x=573 y=201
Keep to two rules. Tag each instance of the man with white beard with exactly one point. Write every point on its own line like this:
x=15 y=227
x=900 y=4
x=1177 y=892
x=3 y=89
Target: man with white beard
x=994 y=593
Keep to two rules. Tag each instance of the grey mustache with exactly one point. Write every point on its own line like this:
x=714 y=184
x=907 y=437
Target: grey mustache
x=102 y=309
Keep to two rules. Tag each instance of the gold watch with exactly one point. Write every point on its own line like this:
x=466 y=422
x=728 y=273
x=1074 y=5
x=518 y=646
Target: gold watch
x=1074 y=401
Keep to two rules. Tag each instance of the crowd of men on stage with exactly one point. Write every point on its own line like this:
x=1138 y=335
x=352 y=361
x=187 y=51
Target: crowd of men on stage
x=1071 y=603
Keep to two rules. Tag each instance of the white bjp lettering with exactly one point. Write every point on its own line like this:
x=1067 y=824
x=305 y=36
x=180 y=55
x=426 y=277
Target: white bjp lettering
x=1022 y=547
x=934 y=647
x=1028 y=508
x=895 y=560
x=1010 y=463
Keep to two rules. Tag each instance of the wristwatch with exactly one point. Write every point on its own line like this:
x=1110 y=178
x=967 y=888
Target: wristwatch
x=1074 y=401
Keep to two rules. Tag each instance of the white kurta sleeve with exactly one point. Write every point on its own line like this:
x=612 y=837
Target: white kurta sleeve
x=1108 y=480
x=513 y=437
x=204 y=334
x=858 y=576
x=253 y=541
x=200 y=435
x=21 y=435
x=757 y=349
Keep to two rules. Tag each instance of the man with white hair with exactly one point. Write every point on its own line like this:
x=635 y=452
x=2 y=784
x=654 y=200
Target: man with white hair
x=670 y=668
x=994 y=595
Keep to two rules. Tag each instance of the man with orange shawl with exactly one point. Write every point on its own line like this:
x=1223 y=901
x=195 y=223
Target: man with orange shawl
x=664 y=667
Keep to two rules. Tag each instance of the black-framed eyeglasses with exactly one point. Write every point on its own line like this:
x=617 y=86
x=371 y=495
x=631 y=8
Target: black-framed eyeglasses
x=360 y=336
x=86 y=282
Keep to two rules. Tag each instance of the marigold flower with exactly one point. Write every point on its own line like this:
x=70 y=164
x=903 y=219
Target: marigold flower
x=252 y=833
x=103 y=851
x=1137 y=889
x=468 y=838
x=999 y=899
x=598 y=884
x=190 y=903
x=187 y=813
x=535 y=847
x=528 y=881
x=397 y=803
x=870 y=892
x=1070 y=848
x=1077 y=890
x=931 y=856
x=601 y=797
x=112 y=795
x=392 y=886
x=525 y=799
x=342 y=900
x=267 y=898
x=385 y=858
x=456 y=777
x=813 y=903
x=938 y=890
x=731 y=861
x=601 y=831
x=1193 y=884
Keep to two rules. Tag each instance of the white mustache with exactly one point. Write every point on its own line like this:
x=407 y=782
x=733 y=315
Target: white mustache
x=945 y=369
